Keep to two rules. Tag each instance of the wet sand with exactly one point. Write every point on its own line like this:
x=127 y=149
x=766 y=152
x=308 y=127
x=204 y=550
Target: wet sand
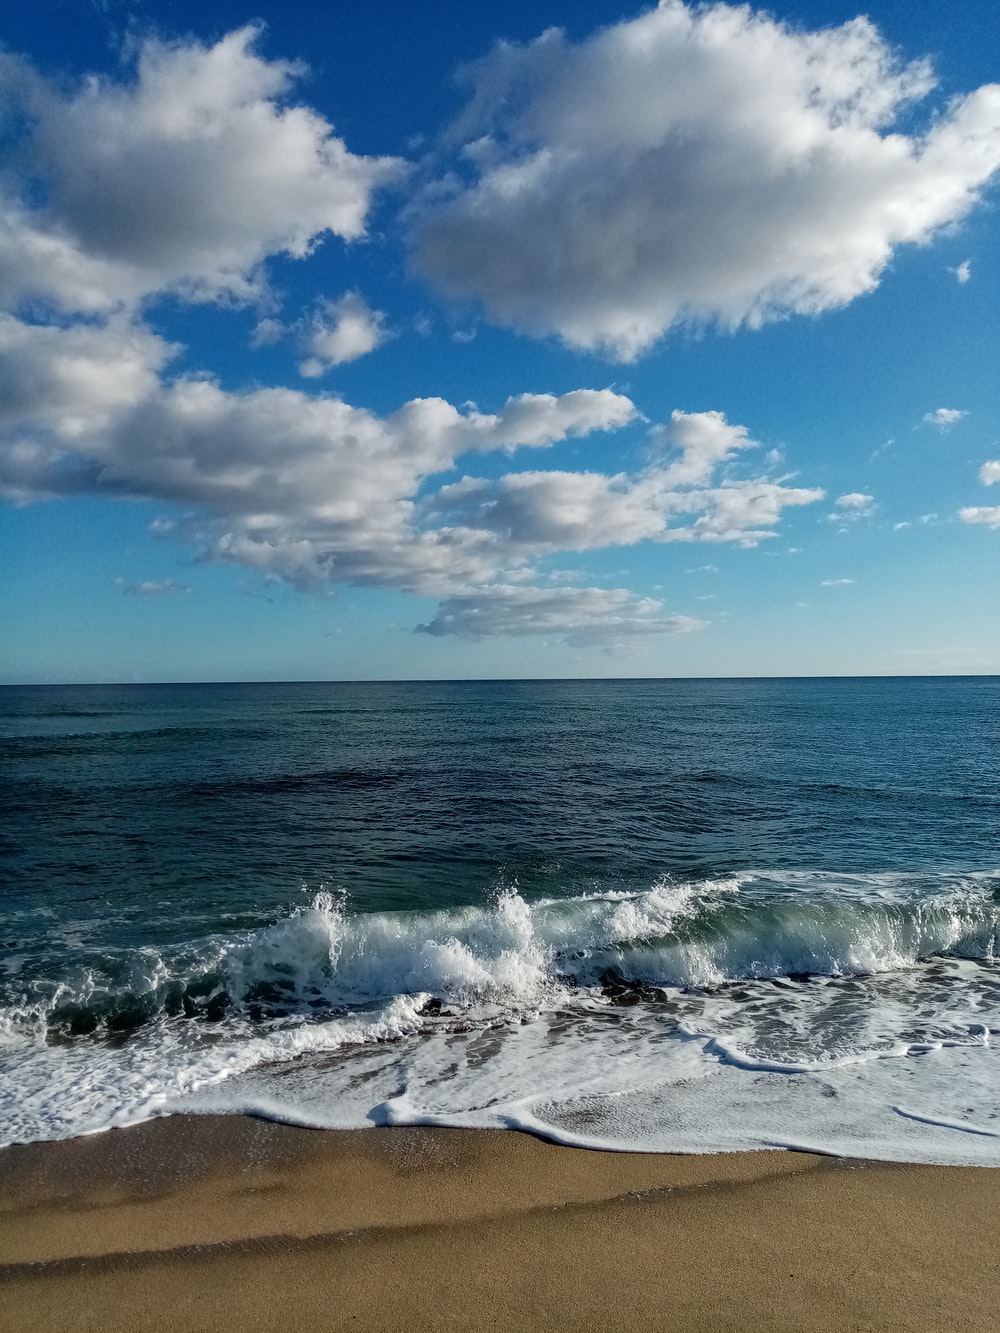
x=198 y=1223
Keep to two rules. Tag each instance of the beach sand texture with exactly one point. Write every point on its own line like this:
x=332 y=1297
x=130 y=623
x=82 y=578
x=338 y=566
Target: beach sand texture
x=197 y=1223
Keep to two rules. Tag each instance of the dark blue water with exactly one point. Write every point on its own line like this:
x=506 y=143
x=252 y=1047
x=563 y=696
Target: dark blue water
x=143 y=825
x=206 y=801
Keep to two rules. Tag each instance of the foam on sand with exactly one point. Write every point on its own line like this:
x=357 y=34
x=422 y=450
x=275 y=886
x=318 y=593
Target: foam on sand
x=698 y=1016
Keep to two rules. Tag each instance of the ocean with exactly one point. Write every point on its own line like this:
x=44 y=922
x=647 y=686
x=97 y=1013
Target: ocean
x=655 y=915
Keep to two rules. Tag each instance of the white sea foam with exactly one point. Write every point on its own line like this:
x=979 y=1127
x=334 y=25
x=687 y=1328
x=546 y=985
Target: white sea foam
x=696 y=1016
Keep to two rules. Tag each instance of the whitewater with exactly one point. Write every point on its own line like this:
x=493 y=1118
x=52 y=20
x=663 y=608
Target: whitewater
x=598 y=985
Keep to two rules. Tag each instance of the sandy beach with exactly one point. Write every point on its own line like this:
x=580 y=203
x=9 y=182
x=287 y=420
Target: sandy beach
x=209 y=1222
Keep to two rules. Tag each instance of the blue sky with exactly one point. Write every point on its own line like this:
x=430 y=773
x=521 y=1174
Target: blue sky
x=398 y=341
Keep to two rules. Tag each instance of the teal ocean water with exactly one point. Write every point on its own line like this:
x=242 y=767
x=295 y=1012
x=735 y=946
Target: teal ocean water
x=667 y=915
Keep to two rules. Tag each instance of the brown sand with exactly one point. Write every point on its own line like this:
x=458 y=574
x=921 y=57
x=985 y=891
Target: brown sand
x=216 y=1223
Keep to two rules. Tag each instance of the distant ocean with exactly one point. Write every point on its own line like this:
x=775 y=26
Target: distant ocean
x=663 y=915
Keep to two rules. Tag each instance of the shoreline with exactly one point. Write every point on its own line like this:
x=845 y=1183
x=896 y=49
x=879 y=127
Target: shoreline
x=198 y=1222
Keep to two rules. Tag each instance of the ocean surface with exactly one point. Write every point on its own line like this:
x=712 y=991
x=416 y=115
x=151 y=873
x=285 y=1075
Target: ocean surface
x=664 y=915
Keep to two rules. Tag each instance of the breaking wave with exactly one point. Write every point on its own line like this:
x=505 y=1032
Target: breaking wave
x=667 y=1020
x=320 y=960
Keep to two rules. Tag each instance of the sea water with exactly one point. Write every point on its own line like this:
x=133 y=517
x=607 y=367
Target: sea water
x=649 y=915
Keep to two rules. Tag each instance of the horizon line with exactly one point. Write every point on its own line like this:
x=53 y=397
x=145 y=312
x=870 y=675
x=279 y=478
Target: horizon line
x=487 y=680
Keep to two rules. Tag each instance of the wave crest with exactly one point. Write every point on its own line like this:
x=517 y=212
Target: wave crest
x=321 y=960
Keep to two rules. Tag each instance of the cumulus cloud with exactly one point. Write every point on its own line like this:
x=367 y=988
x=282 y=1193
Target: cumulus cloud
x=304 y=488
x=704 y=165
x=580 y=616
x=312 y=490
x=340 y=331
x=267 y=332
x=549 y=511
x=852 y=507
x=963 y=271
x=944 y=417
x=183 y=179
x=986 y=514
x=705 y=439
x=60 y=388
x=74 y=380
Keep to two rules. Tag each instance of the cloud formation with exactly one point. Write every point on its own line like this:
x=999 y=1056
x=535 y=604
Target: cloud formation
x=305 y=488
x=944 y=417
x=985 y=515
x=312 y=490
x=580 y=616
x=75 y=380
x=183 y=180
x=852 y=507
x=705 y=165
x=540 y=512
x=340 y=331
x=989 y=515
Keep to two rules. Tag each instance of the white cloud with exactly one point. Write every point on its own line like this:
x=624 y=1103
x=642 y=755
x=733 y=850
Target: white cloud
x=184 y=179
x=990 y=472
x=986 y=514
x=312 y=490
x=852 y=507
x=705 y=439
x=705 y=165
x=581 y=616
x=75 y=379
x=60 y=388
x=944 y=417
x=340 y=331
x=304 y=488
x=739 y=511
x=837 y=583
x=267 y=333
x=963 y=272
x=553 y=511
x=541 y=512
x=539 y=419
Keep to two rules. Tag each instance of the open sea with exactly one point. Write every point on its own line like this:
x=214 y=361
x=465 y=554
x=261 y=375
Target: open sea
x=674 y=916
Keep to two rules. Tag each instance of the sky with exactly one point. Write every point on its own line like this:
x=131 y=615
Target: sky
x=550 y=339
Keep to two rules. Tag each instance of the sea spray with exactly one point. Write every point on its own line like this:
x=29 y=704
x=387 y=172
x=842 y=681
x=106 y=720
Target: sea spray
x=761 y=975
x=685 y=936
